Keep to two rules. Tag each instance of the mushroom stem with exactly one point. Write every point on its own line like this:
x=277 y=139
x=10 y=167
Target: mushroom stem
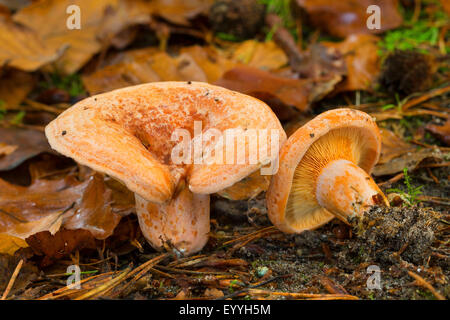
x=182 y=223
x=345 y=189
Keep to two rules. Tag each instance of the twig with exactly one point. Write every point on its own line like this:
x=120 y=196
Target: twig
x=392 y=180
x=285 y=40
x=105 y=287
x=299 y=295
x=250 y=235
x=239 y=292
x=425 y=97
x=12 y=280
x=423 y=283
x=332 y=287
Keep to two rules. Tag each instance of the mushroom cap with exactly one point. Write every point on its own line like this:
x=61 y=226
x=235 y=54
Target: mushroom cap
x=336 y=134
x=126 y=133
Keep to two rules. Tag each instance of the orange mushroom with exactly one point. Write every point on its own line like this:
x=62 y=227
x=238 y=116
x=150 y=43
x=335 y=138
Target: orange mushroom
x=325 y=172
x=128 y=134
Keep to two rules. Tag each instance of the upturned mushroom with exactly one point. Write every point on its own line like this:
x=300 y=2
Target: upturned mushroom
x=129 y=135
x=325 y=172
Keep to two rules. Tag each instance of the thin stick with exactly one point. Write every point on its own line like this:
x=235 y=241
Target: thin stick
x=107 y=286
x=263 y=230
x=423 y=283
x=300 y=295
x=12 y=280
x=237 y=293
x=425 y=97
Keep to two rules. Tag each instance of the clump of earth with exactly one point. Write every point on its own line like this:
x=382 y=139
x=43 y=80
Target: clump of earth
x=387 y=234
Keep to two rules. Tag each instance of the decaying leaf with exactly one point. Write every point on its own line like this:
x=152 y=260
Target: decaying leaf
x=263 y=55
x=264 y=85
x=392 y=146
x=361 y=59
x=15 y=85
x=94 y=212
x=27 y=273
x=10 y=244
x=142 y=66
x=46 y=205
x=346 y=17
x=6 y=149
x=408 y=160
x=29 y=143
x=210 y=60
x=446 y=6
x=442 y=132
x=81 y=44
x=22 y=48
x=59 y=245
x=247 y=188
x=101 y=21
x=181 y=11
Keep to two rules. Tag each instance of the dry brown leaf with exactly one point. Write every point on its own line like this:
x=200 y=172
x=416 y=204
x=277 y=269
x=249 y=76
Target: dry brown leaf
x=10 y=244
x=143 y=66
x=213 y=293
x=213 y=63
x=59 y=245
x=446 y=6
x=408 y=160
x=82 y=44
x=361 y=59
x=263 y=55
x=247 y=188
x=6 y=149
x=27 y=273
x=181 y=11
x=21 y=205
x=442 y=132
x=22 y=48
x=264 y=85
x=15 y=85
x=29 y=144
x=345 y=17
x=392 y=146
x=51 y=222
x=94 y=212
x=101 y=20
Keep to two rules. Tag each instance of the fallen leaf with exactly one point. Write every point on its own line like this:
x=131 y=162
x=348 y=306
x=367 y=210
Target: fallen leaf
x=442 y=132
x=361 y=59
x=101 y=20
x=22 y=48
x=21 y=205
x=181 y=11
x=51 y=222
x=29 y=144
x=15 y=85
x=213 y=293
x=408 y=160
x=59 y=245
x=392 y=146
x=264 y=85
x=213 y=63
x=143 y=66
x=10 y=244
x=345 y=17
x=263 y=55
x=247 y=188
x=94 y=212
x=8 y=264
x=446 y=6
x=6 y=149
